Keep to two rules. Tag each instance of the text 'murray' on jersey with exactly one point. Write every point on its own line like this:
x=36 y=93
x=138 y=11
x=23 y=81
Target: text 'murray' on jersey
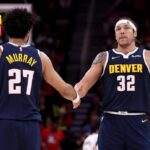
x=19 y=57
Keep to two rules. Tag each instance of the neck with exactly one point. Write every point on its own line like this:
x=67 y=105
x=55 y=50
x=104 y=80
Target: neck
x=18 y=41
x=126 y=49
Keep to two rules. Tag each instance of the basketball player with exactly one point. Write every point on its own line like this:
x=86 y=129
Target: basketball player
x=125 y=75
x=21 y=70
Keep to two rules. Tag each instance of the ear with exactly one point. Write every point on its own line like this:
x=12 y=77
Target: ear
x=27 y=37
x=135 y=34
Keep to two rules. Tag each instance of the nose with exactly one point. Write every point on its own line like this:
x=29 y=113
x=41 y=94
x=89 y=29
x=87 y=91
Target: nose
x=122 y=31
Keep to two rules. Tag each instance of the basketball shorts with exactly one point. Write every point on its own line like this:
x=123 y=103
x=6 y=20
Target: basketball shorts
x=123 y=132
x=19 y=135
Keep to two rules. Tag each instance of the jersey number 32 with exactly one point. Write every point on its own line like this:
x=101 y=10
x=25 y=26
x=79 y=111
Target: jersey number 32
x=126 y=83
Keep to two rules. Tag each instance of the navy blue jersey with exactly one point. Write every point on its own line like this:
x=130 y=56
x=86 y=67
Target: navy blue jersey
x=20 y=79
x=126 y=82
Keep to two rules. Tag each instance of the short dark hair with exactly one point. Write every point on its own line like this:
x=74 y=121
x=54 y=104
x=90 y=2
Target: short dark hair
x=18 y=22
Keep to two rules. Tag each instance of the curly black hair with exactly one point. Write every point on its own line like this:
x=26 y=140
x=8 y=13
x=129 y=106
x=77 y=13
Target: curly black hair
x=18 y=22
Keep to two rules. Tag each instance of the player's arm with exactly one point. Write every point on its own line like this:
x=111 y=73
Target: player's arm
x=1 y=50
x=147 y=57
x=53 y=78
x=92 y=75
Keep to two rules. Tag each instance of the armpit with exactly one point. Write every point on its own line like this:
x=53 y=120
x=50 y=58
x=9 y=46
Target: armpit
x=100 y=58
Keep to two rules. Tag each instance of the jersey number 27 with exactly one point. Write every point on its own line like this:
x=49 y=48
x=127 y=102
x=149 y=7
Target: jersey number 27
x=14 y=84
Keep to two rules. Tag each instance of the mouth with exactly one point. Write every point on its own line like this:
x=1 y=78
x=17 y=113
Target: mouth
x=123 y=37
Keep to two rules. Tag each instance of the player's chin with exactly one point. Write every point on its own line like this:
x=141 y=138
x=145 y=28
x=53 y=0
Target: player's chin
x=123 y=43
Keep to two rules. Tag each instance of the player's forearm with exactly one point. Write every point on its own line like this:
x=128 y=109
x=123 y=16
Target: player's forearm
x=81 y=89
x=68 y=92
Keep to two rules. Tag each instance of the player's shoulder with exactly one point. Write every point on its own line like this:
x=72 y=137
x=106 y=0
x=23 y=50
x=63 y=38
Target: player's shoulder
x=100 y=57
x=42 y=54
x=1 y=50
x=1 y=47
x=45 y=58
x=103 y=52
x=147 y=52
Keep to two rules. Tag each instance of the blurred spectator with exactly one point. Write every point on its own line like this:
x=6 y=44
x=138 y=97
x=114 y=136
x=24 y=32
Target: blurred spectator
x=90 y=142
x=91 y=123
x=52 y=136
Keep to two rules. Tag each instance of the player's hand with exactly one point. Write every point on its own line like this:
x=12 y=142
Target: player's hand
x=76 y=102
x=80 y=90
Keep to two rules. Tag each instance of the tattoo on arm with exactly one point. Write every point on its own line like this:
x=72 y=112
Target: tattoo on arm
x=100 y=58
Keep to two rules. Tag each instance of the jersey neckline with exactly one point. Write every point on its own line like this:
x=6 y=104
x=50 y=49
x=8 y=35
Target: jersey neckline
x=125 y=55
x=25 y=45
